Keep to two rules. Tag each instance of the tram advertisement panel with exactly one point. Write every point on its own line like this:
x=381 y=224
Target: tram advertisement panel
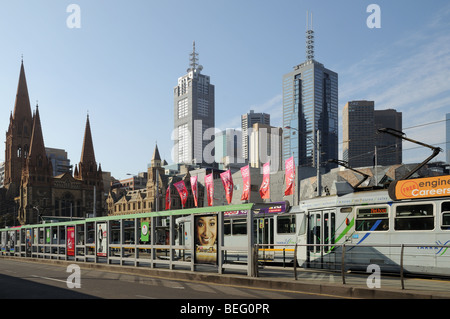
x=71 y=241
x=205 y=232
x=102 y=234
x=420 y=188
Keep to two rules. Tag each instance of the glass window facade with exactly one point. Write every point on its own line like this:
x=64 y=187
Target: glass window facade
x=310 y=104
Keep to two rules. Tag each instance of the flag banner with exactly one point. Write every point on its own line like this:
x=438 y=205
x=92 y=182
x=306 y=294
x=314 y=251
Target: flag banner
x=264 y=190
x=227 y=182
x=194 y=189
x=209 y=182
x=245 y=171
x=168 y=198
x=289 y=169
x=181 y=188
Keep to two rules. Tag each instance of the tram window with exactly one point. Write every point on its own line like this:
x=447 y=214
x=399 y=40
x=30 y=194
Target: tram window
x=227 y=227
x=445 y=209
x=239 y=226
x=372 y=219
x=286 y=224
x=445 y=221
x=414 y=217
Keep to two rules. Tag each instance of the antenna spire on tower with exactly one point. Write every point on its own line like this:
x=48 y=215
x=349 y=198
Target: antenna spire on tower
x=309 y=38
x=193 y=59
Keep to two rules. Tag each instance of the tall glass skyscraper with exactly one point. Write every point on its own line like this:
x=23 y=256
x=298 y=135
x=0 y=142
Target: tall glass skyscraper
x=194 y=116
x=310 y=109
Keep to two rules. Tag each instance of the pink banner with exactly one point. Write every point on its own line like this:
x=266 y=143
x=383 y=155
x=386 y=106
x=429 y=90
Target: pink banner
x=181 y=188
x=227 y=182
x=289 y=168
x=264 y=190
x=209 y=182
x=168 y=198
x=194 y=189
x=245 y=171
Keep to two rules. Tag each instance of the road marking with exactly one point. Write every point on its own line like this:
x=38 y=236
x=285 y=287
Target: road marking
x=48 y=278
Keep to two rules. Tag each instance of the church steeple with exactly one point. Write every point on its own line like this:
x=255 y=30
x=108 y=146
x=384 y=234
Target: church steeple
x=37 y=147
x=18 y=136
x=87 y=152
x=22 y=108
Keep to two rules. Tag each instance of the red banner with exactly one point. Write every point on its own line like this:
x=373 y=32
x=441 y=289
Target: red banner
x=181 y=188
x=245 y=171
x=209 y=182
x=168 y=198
x=227 y=182
x=264 y=190
x=289 y=174
x=194 y=189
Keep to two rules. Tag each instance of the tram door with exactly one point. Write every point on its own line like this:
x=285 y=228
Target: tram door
x=263 y=227
x=321 y=232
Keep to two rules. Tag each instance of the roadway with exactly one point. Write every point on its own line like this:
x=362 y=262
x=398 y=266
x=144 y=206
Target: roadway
x=21 y=279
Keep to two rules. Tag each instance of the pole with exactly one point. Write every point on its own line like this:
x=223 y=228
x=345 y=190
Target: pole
x=319 y=182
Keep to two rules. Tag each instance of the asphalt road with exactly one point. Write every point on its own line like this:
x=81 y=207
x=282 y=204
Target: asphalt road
x=26 y=280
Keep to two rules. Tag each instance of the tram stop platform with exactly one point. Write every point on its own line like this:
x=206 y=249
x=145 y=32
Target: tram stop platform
x=311 y=281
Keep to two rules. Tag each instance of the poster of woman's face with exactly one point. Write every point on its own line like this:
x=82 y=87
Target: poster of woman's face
x=205 y=239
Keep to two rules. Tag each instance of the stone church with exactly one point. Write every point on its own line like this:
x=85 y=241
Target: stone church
x=29 y=181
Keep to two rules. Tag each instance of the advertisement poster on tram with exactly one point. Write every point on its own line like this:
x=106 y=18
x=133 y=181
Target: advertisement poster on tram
x=71 y=241
x=102 y=235
x=205 y=232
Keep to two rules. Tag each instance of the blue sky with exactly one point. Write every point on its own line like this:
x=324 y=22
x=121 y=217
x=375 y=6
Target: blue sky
x=122 y=64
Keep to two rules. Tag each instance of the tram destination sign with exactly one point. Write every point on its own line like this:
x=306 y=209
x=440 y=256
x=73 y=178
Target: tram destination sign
x=438 y=186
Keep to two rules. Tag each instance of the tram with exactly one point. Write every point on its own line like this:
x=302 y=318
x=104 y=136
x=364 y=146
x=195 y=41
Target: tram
x=375 y=224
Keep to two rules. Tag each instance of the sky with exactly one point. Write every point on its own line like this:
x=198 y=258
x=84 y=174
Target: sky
x=122 y=61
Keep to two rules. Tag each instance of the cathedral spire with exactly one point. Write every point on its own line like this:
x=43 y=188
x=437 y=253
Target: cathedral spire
x=37 y=147
x=22 y=108
x=87 y=152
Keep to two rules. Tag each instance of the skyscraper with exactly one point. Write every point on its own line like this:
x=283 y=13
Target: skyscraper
x=194 y=116
x=247 y=121
x=358 y=130
x=363 y=145
x=310 y=110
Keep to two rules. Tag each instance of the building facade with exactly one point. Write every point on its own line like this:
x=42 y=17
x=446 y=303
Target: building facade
x=363 y=145
x=358 y=133
x=29 y=180
x=310 y=112
x=447 y=137
x=247 y=121
x=194 y=116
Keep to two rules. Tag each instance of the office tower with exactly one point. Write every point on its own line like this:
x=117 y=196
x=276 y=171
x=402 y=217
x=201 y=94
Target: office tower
x=310 y=111
x=247 y=121
x=388 y=147
x=447 y=137
x=228 y=148
x=358 y=133
x=265 y=145
x=194 y=116
x=363 y=145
